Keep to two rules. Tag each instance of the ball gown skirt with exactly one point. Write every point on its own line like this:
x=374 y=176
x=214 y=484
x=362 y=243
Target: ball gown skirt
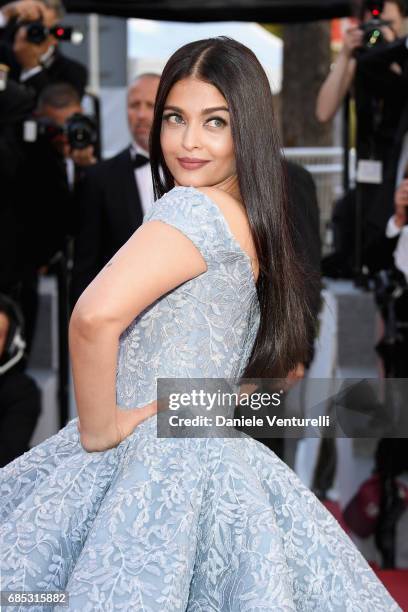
x=173 y=524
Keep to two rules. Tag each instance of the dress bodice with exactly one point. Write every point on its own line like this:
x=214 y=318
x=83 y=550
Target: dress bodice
x=206 y=327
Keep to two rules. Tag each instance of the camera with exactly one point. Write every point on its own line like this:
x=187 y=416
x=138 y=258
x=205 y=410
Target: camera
x=80 y=130
x=373 y=36
x=36 y=33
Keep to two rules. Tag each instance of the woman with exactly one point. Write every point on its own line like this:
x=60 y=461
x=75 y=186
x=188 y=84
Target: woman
x=206 y=288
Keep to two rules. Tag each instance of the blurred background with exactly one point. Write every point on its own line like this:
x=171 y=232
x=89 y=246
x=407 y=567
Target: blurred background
x=77 y=87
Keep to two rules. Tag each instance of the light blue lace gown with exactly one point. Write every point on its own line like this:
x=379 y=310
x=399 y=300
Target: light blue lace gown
x=168 y=525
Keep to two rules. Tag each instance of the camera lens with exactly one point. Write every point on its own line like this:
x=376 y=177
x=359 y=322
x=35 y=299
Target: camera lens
x=36 y=33
x=81 y=131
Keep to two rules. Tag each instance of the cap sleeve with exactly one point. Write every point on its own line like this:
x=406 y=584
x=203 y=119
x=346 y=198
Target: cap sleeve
x=197 y=217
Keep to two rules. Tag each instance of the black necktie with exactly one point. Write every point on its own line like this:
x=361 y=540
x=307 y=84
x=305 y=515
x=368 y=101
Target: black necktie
x=140 y=160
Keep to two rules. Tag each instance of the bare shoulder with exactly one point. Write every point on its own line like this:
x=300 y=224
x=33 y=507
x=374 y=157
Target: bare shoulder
x=223 y=199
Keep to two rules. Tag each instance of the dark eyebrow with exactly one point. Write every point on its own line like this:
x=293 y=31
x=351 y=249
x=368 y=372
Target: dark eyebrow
x=205 y=111
x=175 y=108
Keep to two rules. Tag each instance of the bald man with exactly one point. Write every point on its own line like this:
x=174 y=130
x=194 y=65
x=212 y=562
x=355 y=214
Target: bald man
x=115 y=193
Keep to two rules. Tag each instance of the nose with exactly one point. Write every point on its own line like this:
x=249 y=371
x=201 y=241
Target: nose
x=142 y=112
x=191 y=137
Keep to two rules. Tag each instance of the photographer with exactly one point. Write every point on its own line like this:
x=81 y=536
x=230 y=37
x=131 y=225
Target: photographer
x=54 y=163
x=380 y=91
x=20 y=399
x=58 y=104
x=340 y=79
x=381 y=95
x=52 y=169
x=30 y=47
x=392 y=145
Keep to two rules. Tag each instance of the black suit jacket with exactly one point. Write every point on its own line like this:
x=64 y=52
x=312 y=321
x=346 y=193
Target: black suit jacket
x=62 y=70
x=43 y=204
x=16 y=104
x=109 y=212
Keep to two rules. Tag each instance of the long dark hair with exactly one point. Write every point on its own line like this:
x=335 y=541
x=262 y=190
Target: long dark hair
x=234 y=70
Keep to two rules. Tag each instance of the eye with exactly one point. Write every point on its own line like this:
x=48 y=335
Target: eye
x=173 y=118
x=216 y=122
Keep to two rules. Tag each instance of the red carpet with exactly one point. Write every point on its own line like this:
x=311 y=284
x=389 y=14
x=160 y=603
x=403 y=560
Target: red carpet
x=395 y=581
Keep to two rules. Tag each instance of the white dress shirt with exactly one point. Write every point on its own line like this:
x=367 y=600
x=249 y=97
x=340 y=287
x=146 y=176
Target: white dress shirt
x=46 y=59
x=143 y=177
x=401 y=250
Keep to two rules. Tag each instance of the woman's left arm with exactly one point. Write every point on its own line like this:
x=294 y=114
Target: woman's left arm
x=155 y=260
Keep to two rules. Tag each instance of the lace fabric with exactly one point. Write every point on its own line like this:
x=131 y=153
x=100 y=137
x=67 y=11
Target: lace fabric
x=169 y=525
